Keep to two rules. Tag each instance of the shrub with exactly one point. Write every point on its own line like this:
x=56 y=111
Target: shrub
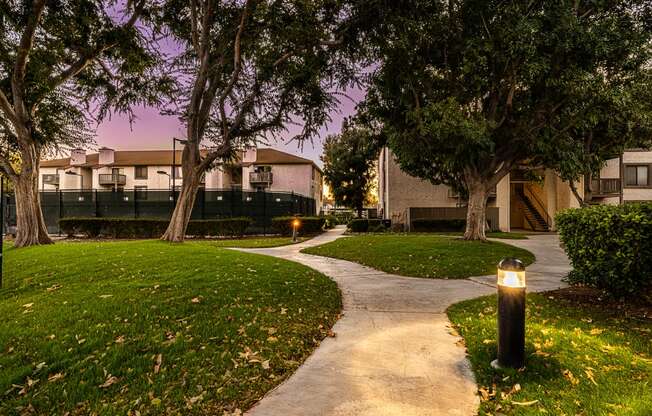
x=309 y=225
x=331 y=222
x=358 y=225
x=437 y=225
x=609 y=246
x=149 y=227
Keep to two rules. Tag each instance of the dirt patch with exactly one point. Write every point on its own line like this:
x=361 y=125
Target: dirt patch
x=589 y=297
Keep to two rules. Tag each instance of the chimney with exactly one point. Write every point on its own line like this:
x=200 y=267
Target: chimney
x=249 y=155
x=77 y=157
x=107 y=156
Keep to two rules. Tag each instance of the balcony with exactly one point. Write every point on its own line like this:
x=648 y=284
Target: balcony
x=454 y=194
x=260 y=178
x=51 y=179
x=605 y=187
x=113 y=180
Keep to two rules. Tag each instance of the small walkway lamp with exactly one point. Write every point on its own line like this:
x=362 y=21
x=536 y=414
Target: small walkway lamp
x=511 y=314
x=295 y=227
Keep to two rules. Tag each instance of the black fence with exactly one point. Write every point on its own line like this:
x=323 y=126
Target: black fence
x=136 y=203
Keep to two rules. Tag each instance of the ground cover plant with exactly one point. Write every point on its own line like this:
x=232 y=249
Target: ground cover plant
x=581 y=359
x=422 y=255
x=151 y=327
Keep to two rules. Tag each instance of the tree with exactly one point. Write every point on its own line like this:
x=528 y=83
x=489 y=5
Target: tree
x=252 y=68
x=619 y=116
x=64 y=65
x=466 y=89
x=349 y=158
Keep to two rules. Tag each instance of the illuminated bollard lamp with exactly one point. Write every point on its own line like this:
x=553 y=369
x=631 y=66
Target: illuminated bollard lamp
x=511 y=314
x=295 y=227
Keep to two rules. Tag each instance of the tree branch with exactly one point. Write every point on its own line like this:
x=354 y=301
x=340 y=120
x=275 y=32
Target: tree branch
x=5 y=105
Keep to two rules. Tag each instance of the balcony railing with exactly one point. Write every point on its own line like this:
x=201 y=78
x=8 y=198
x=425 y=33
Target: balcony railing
x=454 y=194
x=51 y=179
x=604 y=187
x=260 y=177
x=113 y=179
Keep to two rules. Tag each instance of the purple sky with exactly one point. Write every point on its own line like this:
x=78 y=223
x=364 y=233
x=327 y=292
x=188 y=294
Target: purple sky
x=154 y=131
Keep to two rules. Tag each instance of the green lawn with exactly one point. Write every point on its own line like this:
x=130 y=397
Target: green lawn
x=580 y=361
x=496 y=234
x=115 y=327
x=256 y=242
x=422 y=255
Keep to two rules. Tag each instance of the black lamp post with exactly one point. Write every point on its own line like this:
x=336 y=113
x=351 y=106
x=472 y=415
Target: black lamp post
x=174 y=165
x=511 y=314
x=295 y=227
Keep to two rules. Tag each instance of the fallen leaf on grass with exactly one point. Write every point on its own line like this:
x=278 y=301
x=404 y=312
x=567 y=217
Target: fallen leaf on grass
x=105 y=296
x=195 y=300
x=265 y=364
x=589 y=375
x=54 y=287
x=120 y=339
x=55 y=377
x=570 y=377
x=530 y=403
x=28 y=305
x=596 y=331
x=157 y=363
x=110 y=380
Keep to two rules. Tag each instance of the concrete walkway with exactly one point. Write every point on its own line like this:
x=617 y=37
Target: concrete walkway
x=393 y=354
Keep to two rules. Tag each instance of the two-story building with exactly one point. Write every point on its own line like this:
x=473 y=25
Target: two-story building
x=524 y=199
x=255 y=170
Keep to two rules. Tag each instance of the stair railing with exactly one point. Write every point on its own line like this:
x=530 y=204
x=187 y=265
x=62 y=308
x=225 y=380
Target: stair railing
x=538 y=205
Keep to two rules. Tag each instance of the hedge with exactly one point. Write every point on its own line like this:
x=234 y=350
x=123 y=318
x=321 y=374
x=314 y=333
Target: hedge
x=609 y=246
x=150 y=227
x=438 y=225
x=309 y=225
x=361 y=225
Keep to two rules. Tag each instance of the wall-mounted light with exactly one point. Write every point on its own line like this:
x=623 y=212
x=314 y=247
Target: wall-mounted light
x=511 y=314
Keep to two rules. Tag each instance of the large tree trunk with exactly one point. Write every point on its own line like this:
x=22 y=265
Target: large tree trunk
x=30 y=225
x=176 y=231
x=476 y=216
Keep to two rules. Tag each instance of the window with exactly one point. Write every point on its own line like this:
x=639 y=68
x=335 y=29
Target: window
x=141 y=172
x=140 y=192
x=637 y=175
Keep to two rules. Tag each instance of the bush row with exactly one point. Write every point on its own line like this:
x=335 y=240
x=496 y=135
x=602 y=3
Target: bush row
x=609 y=246
x=361 y=225
x=308 y=226
x=150 y=227
x=437 y=225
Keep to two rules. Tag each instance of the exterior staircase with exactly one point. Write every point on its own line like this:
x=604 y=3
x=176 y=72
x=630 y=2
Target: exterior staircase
x=535 y=217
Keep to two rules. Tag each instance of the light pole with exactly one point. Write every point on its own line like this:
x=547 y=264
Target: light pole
x=511 y=314
x=162 y=172
x=81 y=178
x=295 y=226
x=174 y=165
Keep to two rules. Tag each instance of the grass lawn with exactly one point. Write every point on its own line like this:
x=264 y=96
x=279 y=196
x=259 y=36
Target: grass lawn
x=580 y=360
x=496 y=234
x=117 y=327
x=422 y=255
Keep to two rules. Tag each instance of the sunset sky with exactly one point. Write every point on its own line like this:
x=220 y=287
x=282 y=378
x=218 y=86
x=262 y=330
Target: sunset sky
x=154 y=131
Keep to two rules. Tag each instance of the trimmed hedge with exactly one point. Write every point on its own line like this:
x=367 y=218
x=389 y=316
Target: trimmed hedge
x=361 y=225
x=330 y=222
x=430 y=225
x=150 y=227
x=309 y=225
x=609 y=246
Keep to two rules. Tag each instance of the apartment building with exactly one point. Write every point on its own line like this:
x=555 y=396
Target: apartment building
x=255 y=170
x=525 y=199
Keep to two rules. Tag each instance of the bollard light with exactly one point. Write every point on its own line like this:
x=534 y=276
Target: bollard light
x=511 y=314
x=295 y=226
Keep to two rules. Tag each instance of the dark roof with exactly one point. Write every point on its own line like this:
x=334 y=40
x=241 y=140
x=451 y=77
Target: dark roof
x=164 y=158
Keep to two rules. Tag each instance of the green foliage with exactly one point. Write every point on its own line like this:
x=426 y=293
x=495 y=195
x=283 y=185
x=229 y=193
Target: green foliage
x=349 y=165
x=467 y=89
x=609 y=246
x=229 y=325
x=358 y=225
x=308 y=225
x=422 y=255
x=150 y=227
x=330 y=222
x=579 y=359
x=427 y=225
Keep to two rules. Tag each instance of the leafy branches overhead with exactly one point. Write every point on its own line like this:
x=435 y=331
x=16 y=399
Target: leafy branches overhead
x=253 y=67
x=66 y=64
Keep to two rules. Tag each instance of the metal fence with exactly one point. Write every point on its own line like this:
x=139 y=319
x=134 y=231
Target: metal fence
x=135 y=203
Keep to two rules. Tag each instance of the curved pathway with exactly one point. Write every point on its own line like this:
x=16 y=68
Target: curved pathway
x=394 y=353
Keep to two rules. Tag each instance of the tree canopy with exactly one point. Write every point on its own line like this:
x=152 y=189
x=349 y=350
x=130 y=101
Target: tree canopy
x=466 y=89
x=349 y=159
